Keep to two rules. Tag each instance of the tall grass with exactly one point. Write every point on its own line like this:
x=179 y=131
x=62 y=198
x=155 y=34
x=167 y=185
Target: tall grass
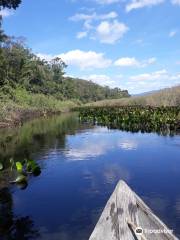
x=20 y=104
x=165 y=97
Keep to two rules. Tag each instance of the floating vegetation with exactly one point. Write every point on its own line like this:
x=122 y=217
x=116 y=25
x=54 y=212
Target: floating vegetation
x=164 y=120
x=19 y=167
x=33 y=167
x=20 y=179
x=22 y=170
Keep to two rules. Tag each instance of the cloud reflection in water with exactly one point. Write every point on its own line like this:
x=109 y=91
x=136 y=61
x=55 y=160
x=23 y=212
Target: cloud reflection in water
x=96 y=143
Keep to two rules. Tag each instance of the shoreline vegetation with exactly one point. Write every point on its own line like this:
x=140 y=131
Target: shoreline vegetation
x=13 y=115
x=31 y=87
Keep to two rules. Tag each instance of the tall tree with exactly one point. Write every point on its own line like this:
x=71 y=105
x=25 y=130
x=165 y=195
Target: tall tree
x=58 y=66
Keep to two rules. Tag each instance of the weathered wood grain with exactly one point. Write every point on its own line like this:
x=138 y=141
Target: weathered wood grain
x=123 y=213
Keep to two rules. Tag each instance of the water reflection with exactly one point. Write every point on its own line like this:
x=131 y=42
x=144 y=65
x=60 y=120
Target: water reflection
x=96 y=143
x=11 y=226
x=81 y=164
x=36 y=135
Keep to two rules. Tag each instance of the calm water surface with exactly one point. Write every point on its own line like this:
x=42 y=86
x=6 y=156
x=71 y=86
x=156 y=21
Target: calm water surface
x=81 y=164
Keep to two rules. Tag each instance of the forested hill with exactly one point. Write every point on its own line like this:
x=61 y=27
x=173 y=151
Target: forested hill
x=88 y=91
x=20 y=68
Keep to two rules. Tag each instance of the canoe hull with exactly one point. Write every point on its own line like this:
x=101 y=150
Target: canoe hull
x=127 y=217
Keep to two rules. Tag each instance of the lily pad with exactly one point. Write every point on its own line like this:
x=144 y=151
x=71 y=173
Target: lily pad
x=19 y=166
x=33 y=167
x=20 y=179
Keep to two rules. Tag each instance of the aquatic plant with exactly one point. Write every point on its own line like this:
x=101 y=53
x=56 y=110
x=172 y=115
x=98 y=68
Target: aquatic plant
x=23 y=170
x=164 y=120
x=21 y=178
x=19 y=167
x=32 y=167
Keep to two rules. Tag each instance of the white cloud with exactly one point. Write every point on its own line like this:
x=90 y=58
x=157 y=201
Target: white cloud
x=133 y=62
x=107 y=1
x=135 y=4
x=150 y=61
x=110 y=15
x=110 y=32
x=47 y=57
x=81 y=35
x=126 y=62
x=157 y=75
x=100 y=79
x=138 y=83
x=105 y=80
x=151 y=81
x=81 y=16
x=172 y=33
x=104 y=27
x=6 y=13
x=93 y=16
x=83 y=60
x=176 y=2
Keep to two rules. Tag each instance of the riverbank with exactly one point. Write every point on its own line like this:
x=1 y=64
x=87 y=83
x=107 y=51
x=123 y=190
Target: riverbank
x=23 y=107
x=16 y=116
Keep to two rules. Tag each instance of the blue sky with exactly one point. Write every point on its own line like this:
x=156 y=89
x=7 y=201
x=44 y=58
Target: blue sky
x=131 y=44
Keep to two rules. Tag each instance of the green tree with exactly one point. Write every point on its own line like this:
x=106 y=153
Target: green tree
x=57 y=66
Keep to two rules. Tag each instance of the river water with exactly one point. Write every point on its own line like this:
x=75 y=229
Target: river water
x=80 y=167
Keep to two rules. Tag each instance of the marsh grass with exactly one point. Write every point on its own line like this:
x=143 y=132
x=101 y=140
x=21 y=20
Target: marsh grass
x=20 y=105
x=165 y=97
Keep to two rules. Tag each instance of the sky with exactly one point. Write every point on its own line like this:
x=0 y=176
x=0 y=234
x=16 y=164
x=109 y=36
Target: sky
x=130 y=44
